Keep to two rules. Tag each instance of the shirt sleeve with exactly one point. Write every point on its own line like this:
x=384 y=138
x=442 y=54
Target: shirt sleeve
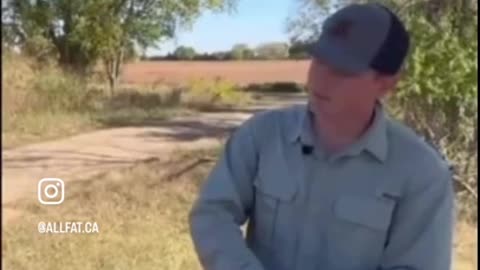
x=224 y=204
x=421 y=236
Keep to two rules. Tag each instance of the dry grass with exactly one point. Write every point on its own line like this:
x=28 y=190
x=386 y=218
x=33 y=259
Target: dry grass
x=466 y=247
x=142 y=219
x=31 y=128
x=41 y=103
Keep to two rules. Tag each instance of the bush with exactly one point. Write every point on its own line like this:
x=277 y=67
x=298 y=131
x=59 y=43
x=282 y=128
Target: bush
x=241 y=52
x=42 y=102
x=32 y=88
x=277 y=87
x=438 y=97
x=59 y=91
x=185 y=53
x=17 y=77
x=270 y=51
x=299 y=50
x=205 y=94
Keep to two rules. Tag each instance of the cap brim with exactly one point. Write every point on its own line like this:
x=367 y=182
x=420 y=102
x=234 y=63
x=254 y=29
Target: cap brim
x=334 y=55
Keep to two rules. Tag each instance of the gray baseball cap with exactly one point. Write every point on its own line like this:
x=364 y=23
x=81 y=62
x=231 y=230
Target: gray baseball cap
x=363 y=37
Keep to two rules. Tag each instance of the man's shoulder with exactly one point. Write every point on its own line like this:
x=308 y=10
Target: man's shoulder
x=274 y=123
x=415 y=153
x=265 y=119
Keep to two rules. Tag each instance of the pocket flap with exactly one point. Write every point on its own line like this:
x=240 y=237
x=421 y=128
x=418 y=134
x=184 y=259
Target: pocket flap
x=369 y=212
x=276 y=183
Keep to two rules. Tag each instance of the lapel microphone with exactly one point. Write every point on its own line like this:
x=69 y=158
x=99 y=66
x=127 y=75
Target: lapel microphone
x=307 y=149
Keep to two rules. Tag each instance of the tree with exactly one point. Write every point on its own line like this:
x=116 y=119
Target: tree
x=241 y=51
x=249 y=54
x=273 y=50
x=84 y=31
x=298 y=50
x=185 y=53
x=305 y=24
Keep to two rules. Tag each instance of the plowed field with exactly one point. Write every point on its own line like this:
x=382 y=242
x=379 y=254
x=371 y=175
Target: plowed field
x=240 y=72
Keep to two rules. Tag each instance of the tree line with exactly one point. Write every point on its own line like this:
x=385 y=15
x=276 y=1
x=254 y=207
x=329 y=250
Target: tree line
x=266 y=51
x=82 y=34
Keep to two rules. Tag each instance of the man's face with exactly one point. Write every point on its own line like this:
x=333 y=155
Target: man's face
x=334 y=92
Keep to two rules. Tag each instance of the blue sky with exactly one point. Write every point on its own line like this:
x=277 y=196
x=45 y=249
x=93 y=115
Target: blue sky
x=254 y=22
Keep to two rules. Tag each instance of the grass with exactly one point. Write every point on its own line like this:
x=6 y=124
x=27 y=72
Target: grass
x=142 y=218
x=31 y=128
x=102 y=112
x=44 y=102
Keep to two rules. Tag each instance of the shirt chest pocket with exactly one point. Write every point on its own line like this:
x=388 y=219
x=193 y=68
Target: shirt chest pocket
x=275 y=193
x=358 y=231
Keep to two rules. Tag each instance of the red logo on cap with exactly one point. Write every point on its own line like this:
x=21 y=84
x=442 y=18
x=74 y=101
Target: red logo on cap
x=341 y=29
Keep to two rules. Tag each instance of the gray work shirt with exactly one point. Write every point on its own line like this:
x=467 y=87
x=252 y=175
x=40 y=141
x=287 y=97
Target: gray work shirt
x=386 y=202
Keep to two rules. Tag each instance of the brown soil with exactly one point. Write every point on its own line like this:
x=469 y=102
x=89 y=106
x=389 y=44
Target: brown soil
x=241 y=72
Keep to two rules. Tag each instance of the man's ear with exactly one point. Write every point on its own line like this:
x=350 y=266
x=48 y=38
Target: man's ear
x=387 y=83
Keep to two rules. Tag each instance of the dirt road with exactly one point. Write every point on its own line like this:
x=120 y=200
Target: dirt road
x=83 y=156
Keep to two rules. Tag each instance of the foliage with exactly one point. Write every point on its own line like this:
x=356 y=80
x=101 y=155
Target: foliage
x=84 y=31
x=241 y=51
x=40 y=101
x=209 y=94
x=298 y=50
x=439 y=95
x=184 y=53
x=305 y=24
x=33 y=87
x=276 y=87
x=272 y=50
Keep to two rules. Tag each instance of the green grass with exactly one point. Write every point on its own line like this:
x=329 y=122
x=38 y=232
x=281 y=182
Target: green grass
x=142 y=218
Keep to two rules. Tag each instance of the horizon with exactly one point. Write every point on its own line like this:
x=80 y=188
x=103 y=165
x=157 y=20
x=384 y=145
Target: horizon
x=252 y=23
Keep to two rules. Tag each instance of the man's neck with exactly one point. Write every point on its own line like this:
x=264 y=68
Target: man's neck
x=337 y=132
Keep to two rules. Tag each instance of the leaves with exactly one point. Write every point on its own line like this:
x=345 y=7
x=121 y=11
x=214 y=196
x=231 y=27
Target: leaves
x=438 y=94
x=185 y=53
x=272 y=50
x=84 y=31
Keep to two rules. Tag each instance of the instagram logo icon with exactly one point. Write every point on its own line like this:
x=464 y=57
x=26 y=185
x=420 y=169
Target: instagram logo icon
x=51 y=191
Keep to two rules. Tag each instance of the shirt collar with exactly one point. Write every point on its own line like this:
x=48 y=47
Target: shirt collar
x=300 y=125
x=374 y=140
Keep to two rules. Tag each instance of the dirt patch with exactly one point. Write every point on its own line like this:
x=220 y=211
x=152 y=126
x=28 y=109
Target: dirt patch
x=82 y=156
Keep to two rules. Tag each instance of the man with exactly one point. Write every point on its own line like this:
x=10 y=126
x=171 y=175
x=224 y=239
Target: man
x=335 y=184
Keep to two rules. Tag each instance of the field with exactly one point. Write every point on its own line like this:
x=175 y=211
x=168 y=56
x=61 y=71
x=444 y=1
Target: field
x=241 y=72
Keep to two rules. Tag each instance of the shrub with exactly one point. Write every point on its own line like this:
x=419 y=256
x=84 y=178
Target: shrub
x=17 y=78
x=60 y=91
x=204 y=94
x=30 y=87
x=185 y=53
x=277 y=87
x=438 y=97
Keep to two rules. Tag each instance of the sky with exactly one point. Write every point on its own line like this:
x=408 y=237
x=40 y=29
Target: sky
x=254 y=22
